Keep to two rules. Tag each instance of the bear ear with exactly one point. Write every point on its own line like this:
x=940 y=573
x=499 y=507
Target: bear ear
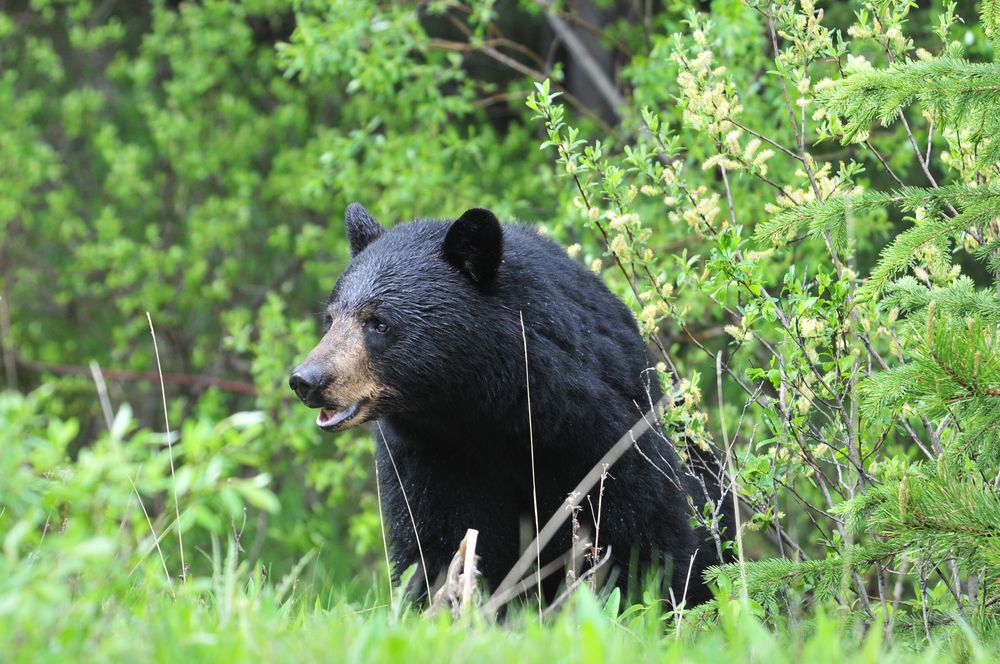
x=474 y=245
x=362 y=228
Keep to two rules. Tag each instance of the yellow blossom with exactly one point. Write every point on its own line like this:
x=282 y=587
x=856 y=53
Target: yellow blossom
x=735 y=332
x=621 y=248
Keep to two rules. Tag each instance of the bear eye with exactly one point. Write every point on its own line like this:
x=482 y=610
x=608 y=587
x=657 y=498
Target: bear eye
x=381 y=327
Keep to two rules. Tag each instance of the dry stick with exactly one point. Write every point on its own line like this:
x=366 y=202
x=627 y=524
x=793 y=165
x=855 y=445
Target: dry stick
x=108 y=411
x=597 y=522
x=517 y=66
x=579 y=548
x=558 y=602
x=170 y=449
x=642 y=425
x=923 y=599
x=381 y=525
x=7 y=343
x=226 y=385
x=102 y=396
x=585 y=25
x=687 y=580
x=531 y=447
x=594 y=71
x=854 y=417
x=102 y=393
x=468 y=569
x=413 y=522
x=930 y=140
x=156 y=540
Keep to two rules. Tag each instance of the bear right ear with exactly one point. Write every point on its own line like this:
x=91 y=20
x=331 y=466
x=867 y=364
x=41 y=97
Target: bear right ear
x=474 y=245
x=362 y=228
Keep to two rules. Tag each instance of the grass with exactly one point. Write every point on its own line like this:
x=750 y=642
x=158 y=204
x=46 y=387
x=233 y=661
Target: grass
x=78 y=594
x=94 y=590
x=228 y=620
x=188 y=630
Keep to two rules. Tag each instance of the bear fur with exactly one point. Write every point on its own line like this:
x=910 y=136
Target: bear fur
x=425 y=338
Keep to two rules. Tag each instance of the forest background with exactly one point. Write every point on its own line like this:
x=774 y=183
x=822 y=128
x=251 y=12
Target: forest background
x=798 y=200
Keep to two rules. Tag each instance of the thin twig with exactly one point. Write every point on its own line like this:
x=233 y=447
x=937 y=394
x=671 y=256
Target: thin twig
x=550 y=568
x=729 y=196
x=641 y=426
x=531 y=447
x=679 y=608
x=576 y=584
x=598 y=77
x=885 y=164
x=7 y=343
x=385 y=542
x=738 y=535
x=102 y=395
x=193 y=380
x=156 y=540
x=413 y=522
x=769 y=141
x=170 y=449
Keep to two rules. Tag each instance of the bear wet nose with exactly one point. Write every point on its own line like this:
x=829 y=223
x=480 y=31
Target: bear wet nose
x=306 y=382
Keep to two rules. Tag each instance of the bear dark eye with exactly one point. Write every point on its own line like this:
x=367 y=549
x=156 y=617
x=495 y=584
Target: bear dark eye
x=377 y=325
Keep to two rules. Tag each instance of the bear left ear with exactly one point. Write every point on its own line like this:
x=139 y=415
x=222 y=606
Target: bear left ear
x=362 y=228
x=474 y=245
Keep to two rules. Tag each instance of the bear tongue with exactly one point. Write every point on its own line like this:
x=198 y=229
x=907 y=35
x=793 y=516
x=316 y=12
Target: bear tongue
x=330 y=418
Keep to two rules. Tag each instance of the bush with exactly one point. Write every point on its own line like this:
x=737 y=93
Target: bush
x=871 y=404
x=799 y=204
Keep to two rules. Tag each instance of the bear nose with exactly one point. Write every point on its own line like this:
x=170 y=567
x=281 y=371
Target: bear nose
x=307 y=381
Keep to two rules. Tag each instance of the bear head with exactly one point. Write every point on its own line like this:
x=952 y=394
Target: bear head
x=404 y=313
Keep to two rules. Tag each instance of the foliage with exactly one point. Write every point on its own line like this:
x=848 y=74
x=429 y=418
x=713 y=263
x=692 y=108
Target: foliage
x=92 y=527
x=838 y=379
x=799 y=203
x=173 y=161
x=240 y=620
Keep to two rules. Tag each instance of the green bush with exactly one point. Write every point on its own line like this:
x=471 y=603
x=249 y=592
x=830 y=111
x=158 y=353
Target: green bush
x=173 y=161
x=858 y=415
x=799 y=203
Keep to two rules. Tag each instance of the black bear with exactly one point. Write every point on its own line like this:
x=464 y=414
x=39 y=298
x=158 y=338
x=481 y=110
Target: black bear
x=424 y=335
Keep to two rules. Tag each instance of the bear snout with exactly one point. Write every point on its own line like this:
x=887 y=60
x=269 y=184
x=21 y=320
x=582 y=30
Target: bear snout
x=308 y=381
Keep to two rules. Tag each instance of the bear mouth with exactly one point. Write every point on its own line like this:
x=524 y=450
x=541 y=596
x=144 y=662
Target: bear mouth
x=329 y=419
